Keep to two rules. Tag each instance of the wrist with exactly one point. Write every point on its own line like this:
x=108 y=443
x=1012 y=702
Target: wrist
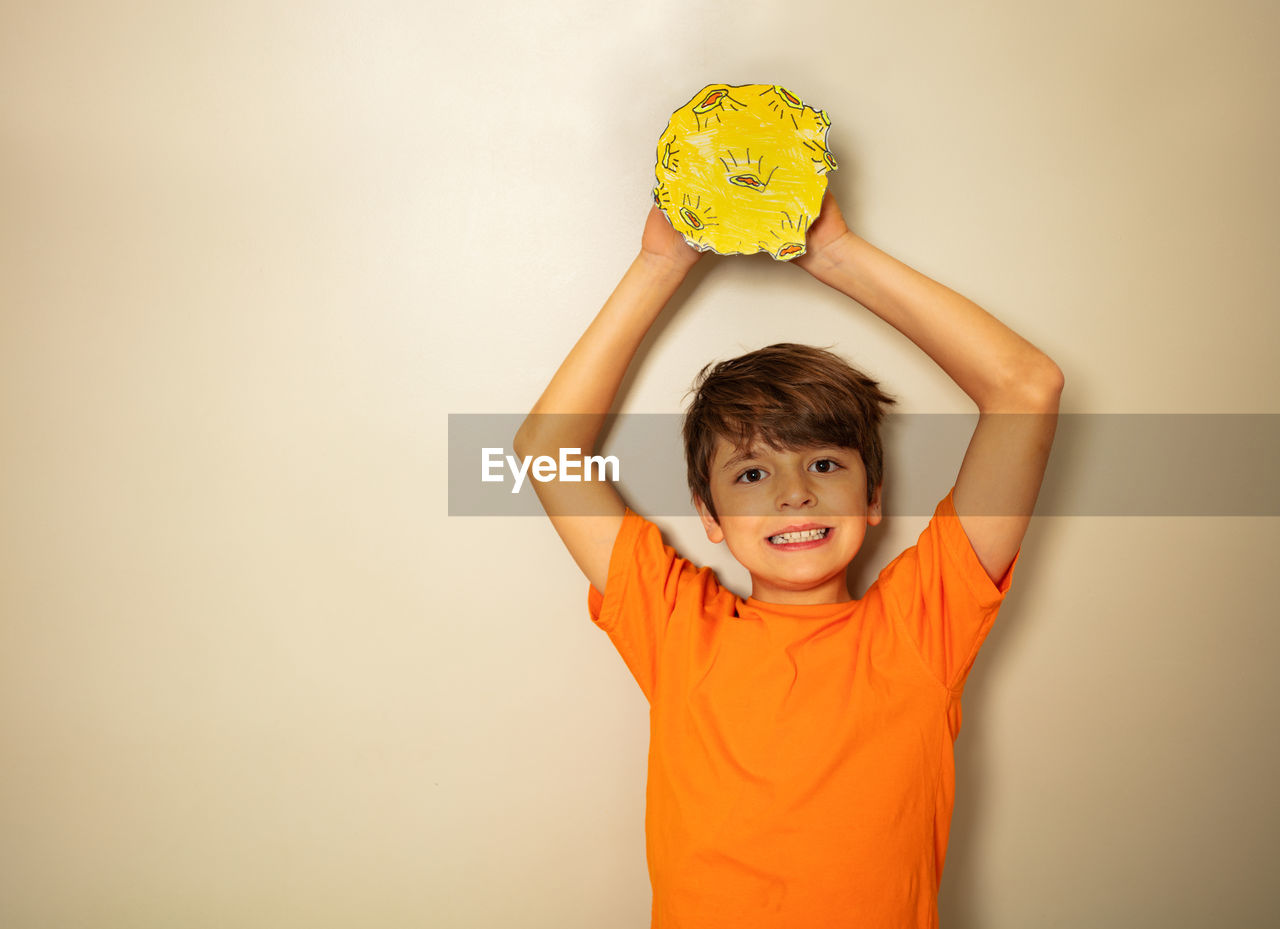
x=667 y=266
x=828 y=256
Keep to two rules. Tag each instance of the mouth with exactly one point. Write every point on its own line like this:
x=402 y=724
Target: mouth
x=802 y=536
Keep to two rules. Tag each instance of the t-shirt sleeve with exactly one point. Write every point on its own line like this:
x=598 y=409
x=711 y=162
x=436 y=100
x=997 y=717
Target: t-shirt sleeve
x=943 y=597
x=646 y=585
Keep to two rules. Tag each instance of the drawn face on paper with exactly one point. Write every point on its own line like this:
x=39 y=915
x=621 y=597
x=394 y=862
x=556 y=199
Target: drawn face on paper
x=742 y=169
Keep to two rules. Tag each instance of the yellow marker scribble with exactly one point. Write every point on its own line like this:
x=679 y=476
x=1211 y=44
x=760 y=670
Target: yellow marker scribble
x=752 y=169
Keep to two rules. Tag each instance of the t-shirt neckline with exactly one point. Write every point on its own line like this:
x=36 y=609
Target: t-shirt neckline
x=799 y=610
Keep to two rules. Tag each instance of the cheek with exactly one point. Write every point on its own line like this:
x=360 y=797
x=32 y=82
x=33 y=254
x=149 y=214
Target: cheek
x=738 y=531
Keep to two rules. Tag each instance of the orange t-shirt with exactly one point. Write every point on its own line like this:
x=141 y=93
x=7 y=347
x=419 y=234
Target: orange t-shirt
x=800 y=757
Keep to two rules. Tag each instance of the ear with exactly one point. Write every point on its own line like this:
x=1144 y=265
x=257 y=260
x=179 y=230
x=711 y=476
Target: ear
x=709 y=524
x=874 y=514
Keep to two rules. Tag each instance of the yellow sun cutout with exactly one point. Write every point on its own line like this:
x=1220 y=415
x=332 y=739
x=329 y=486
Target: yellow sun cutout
x=742 y=169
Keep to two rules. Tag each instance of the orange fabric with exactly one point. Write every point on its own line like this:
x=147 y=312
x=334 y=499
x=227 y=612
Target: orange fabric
x=800 y=763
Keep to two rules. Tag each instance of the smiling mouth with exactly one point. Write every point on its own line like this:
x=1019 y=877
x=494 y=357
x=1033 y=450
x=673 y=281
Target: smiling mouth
x=805 y=535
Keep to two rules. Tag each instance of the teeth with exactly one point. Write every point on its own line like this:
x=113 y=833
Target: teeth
x=807 y=535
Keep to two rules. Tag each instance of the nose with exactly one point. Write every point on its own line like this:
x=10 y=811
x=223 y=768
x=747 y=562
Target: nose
x=795 y=491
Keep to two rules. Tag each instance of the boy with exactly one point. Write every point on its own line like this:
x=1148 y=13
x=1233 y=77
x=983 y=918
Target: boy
x=800 y=767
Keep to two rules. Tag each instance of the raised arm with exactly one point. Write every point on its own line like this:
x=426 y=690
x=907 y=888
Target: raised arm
x=1015 y=385
x=587 y=383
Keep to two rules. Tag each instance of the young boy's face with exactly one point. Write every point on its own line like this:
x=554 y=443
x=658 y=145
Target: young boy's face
x=793 y=518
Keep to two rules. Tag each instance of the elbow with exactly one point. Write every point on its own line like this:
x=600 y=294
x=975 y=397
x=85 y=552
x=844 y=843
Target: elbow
x=550 y=433
x=536 y=434
x=524 y=439
x=1041 y=385
x=1032 y=385
x=1054 y=381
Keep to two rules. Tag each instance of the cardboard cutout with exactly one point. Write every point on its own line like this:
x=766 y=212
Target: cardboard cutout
x=742 y=169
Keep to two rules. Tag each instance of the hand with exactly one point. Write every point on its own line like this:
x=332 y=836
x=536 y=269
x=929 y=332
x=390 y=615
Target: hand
x=661 y=241
x=825 y=232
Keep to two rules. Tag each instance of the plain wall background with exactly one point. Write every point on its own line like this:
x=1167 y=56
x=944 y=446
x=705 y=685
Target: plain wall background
x=253 y=253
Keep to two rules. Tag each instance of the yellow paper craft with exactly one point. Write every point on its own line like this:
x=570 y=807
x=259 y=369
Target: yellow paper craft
x=742 y=169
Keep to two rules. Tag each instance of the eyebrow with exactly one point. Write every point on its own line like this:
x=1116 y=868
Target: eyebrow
x=740 y=457
x=744 y=455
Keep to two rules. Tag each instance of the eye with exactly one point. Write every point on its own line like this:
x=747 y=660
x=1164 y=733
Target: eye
x=825 y=466
x=751 y=476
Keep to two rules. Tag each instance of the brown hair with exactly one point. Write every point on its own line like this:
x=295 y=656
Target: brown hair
x=787 y=396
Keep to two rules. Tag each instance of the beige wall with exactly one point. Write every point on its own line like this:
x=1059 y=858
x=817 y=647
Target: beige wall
x=251 y=255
